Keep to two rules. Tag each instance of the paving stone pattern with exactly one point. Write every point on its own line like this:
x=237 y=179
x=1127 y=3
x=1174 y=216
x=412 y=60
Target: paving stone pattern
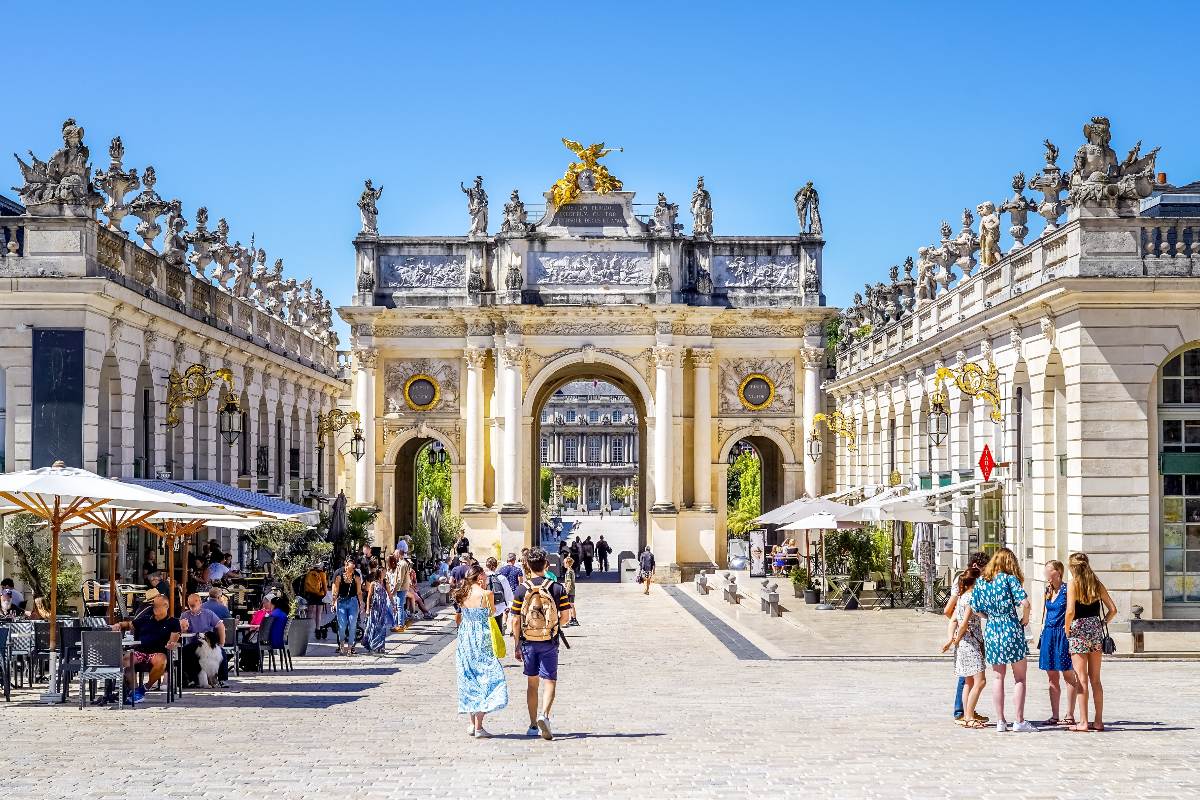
x=653 y=704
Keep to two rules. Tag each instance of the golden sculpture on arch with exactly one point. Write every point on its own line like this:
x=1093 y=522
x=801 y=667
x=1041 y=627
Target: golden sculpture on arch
x=585 y=175
x=974 y=381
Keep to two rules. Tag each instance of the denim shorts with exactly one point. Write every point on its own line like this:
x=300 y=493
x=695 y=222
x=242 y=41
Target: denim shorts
x=540 y=659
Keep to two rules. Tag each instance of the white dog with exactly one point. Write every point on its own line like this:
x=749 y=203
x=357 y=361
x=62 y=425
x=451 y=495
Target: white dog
x=208 y=652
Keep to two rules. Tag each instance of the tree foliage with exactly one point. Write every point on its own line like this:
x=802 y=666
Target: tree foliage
x=745 y=493
x=295 y=548
x=29 y=538
x=433 y=480
x=546 y=479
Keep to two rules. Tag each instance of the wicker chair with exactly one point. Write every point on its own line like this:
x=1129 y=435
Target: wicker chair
x=100 y=661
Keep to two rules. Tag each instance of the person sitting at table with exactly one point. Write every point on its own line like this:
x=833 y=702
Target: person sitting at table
x=257 y=617
x=157 y=634
x=200 y=620
x=17 y=598
x=217 y=571
x=158 y=581
x=39 y=609
x=216 y=603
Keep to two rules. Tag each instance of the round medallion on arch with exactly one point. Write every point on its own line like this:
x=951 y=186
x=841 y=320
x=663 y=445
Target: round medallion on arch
x=756 y=391
x=422 y=392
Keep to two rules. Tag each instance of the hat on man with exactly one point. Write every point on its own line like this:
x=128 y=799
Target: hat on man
x=151 y=593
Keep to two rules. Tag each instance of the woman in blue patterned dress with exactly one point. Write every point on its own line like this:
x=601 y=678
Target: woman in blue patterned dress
x=481 y=685
x=1054 y=655
x=1000 y=596
x=379 y=615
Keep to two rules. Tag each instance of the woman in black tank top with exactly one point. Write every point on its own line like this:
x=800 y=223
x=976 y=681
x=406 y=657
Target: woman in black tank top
x=1086 y=624
x=347 y=588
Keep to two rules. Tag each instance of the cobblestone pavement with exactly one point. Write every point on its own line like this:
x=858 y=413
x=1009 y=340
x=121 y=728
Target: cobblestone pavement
x=653 y=703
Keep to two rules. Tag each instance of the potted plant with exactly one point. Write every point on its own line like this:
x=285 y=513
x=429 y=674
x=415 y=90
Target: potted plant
x=295 y=548
x=802 y=585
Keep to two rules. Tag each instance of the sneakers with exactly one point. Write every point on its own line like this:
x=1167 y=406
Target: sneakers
x=137 y=696
x=532 y=731
x=1023 y=727
x=543 y=726
x=482 y=734
x=1001 y=726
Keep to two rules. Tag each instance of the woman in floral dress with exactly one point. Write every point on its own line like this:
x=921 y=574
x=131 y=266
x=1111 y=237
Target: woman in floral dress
x=1000 y=596
x=379 y=614
x=481 y=685
x=967 y=641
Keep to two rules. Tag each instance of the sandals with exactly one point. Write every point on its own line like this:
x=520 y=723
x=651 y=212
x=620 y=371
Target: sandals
x=974 y=724
x=1050 y=723
x=1068 y=720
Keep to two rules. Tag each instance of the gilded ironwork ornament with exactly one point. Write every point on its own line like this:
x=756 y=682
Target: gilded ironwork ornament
x=756 y=391
x=422 y=392
x=585 y=175
x=334 y=421
x=975 y=381
x=195 y=382
x=838 y=424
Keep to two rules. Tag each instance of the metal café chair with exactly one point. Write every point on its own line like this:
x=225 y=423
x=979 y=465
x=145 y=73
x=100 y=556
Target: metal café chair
x=69 y=658
x=21 y=648
x=100 y=660
x=231 y=645
x=285 y=655
x=5 y=664
x=265 y=651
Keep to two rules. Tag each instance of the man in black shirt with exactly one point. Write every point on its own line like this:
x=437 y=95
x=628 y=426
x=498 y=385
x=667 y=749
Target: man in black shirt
x=157 y=633
x=603 y=548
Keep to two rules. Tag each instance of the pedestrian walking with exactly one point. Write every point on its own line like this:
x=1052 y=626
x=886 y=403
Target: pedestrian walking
x=576 y=551
x=646 y=569
x=502 y=593
x=481 y=685
x=396 y=576
x=569 y=584
x=588 y=551
x=603 y=548
x=1000 y=595
x=540 y=609
x=978 y=560
x=347 y=589
x=511 y=572
x=967 y=641
x=1086 y=625
x=380 y=619
x=1054 y=653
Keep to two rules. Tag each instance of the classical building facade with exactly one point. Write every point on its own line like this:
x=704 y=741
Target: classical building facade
x=464 y=339
x=589 y=440
x=119 y=346
x=1073 y=357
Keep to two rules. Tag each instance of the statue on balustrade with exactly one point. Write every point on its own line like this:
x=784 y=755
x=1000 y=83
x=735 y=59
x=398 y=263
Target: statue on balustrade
x=367 y=208
x=148 y=207
x=64 y=180
x=273 y=302
x=174 y=244
x=243 y=259
x=1098 y=179
x=516 y=220
x=966 y=244
x=1050 y=181
x=926 y=268
x=222 y=253
x=945 y=256
x=989 y=233
x=304 y=303
x=907 y=284
x=260 y=277
x=702 y=215
x=665 y=213
x=477 y=207
x=808 y=209
x=1018 y=207
x=116 y=182
x=201 y=240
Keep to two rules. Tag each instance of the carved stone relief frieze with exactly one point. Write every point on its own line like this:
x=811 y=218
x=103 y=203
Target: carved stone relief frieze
x=443 y=372
x=779 y=372
x=756 y=272
x=419 y=331
x=423 y=272
x=568 y=327
x=590 y=269
x=765 y=330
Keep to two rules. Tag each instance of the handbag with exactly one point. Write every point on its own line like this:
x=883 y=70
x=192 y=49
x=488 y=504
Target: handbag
x=497 y=638
x=1107 y=645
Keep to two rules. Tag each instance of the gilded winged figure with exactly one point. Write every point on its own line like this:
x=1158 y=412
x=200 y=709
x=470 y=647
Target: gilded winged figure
x=595 y=176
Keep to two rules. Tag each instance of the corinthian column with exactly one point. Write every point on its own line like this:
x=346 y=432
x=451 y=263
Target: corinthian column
x=814 y=360
x=702 y=359
x=476 y=357
x=664 y=360
x=514 y=362
x=364 y=404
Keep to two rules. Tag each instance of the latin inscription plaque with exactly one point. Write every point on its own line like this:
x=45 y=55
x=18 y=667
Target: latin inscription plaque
x=590 y=215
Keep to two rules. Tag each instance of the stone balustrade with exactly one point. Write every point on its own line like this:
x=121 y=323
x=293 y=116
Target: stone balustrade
x=12 y=239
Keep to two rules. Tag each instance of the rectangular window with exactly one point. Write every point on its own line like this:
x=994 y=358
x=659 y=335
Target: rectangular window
x=991 y=521
x=545 y=449
x=545 y=415
x=571 y=415
x=593 y=450
x=571 y=450
x=617 y=448
x=617 y=417
x=1181 y=538
x=593 y=415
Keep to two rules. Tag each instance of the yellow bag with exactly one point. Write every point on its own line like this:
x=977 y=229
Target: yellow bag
x=497 y=638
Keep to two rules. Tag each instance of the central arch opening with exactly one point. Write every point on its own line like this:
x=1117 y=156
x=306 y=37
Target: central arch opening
x=588 y=465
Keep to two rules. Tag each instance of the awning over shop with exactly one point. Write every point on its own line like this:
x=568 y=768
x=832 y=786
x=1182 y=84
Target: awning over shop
x=212 y=491
x=938 y=491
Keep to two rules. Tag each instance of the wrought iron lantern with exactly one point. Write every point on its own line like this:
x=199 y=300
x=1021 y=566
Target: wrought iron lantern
x=939 y=418
x=357 y=444
x=437 y=453
x=814 y=446
x=230 y=421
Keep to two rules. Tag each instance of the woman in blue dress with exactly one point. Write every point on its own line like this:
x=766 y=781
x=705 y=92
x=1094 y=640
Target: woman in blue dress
x=380 y=620
x=481 y=685
x=1000 y=596
x=1054 y=653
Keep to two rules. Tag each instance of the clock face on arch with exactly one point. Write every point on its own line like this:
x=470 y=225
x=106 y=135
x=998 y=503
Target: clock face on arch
x=421 y=392
x=756 y=392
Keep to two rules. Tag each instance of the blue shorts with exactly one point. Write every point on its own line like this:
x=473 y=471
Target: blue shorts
x=540 y=659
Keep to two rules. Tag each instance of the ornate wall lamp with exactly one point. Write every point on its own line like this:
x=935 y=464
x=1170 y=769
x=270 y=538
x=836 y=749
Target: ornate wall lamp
x=334 y=421
x=838 y=424
x=196 y=382
x=972 y=380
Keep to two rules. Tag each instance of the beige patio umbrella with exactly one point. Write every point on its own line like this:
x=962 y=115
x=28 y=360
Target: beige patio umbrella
x=64 y=495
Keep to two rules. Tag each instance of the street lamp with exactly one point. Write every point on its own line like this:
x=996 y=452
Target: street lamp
x=357 y=445
x=939 y=418
x=437 y=453
x=230 y=422
x=814 y=446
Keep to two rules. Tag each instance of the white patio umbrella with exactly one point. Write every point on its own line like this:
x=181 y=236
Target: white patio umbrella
x=894 y=512
x=798 y=509
x=62 y=495
x=821 y=521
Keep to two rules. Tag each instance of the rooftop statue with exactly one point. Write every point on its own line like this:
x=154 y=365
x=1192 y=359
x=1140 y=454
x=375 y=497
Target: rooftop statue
x=1098 y=178
x=243 y=257
x=477 y=207
x=174 y=243
x=148 y=207
x=989 y=233
x=516 y=220
x=368 y=209
x=808 y=209
x=1018 y=207
x=585 y=175
x=702 y=215
x=664 y=216
x=116 y=183
x=222 y=252
x=63 y=180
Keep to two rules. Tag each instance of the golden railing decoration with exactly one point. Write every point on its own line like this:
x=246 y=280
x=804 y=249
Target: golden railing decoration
x=975 y=381
x=195 y=382
x=838 y=424
x=334 y=421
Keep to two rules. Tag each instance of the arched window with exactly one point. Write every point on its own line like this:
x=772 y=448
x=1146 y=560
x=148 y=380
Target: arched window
x=1179 y=463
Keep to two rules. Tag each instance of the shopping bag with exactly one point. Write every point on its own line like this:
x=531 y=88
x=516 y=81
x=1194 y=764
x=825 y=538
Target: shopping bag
x=497 y=638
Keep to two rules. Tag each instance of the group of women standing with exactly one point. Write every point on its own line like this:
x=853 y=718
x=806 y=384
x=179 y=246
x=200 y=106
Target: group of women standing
x=990 y=611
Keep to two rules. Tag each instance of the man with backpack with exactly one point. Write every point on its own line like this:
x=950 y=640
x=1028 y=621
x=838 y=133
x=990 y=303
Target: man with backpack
x=540 y=608
x=502 y=593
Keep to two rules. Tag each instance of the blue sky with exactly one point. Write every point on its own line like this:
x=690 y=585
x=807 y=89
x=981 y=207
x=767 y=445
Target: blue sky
x=272 y=114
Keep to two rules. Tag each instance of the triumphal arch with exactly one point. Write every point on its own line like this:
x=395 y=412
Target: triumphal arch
x=460 y=340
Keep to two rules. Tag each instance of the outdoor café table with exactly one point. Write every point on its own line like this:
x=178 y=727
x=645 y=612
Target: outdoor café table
x=843 y=588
